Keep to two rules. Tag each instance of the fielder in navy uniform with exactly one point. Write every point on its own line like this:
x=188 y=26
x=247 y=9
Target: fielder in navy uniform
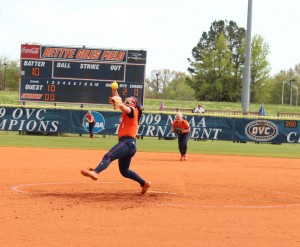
x=91 y=121
x=182 y=128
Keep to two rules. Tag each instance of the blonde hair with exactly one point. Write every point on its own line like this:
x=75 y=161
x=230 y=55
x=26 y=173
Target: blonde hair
x=179 y=114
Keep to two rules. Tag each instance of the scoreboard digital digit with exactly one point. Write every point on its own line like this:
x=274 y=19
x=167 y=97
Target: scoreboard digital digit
x=79 y=74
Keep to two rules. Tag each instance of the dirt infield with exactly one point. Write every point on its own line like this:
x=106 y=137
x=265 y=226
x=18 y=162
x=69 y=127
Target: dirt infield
x=204 y=201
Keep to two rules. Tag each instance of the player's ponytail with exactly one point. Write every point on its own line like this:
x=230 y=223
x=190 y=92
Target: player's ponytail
x=138 y=106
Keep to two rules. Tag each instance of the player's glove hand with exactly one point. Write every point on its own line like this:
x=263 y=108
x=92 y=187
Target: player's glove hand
x=117 y=102
x=177 y=130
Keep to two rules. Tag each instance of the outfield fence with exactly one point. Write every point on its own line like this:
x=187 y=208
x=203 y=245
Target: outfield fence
x=242 y=129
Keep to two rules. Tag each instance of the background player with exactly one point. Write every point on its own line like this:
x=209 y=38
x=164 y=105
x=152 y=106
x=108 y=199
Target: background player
x=181 y=127
x=89 y=118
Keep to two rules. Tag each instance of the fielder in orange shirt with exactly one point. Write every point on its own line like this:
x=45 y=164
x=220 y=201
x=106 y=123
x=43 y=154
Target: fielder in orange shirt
x=182 y=128
x=125 y=149
x=89 y=118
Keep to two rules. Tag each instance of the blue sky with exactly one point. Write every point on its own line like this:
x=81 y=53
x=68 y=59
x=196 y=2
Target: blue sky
x=167 y=29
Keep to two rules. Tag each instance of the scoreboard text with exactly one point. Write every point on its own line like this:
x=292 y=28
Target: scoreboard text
x=80 y=75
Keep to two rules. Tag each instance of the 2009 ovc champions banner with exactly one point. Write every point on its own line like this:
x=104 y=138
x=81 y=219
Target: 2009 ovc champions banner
x=153 y=125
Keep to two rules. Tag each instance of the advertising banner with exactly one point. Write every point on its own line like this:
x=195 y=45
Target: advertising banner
x=42 y=120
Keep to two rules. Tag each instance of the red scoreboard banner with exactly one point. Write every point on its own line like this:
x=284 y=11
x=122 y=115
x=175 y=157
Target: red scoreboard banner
x=79 y=74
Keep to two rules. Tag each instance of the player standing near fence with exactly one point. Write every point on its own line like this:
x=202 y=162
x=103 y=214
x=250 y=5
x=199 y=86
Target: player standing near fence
x=89 y=118
x=125 y=149
x=182 y=128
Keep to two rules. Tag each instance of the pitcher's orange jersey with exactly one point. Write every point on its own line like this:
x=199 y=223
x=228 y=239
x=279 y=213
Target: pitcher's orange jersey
x=129 y=125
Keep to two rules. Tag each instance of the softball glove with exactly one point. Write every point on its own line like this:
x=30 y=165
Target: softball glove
x=177 y=130
x=117 y=102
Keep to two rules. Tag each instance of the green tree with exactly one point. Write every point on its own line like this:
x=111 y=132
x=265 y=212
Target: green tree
x=10 y=74
x=297 y=70
x=218 y=62
x=178 y=89
x=260 y=70
x=216 y=67
x=158 y=81
x=280 y=90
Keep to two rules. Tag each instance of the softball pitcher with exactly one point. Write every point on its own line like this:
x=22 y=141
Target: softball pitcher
x=125 y=149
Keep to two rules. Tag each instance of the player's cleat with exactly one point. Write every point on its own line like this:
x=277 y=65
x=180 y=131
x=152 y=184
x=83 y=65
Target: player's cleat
x=146 y=186
x=90 y=173
x=181 y=157
x=184 y=157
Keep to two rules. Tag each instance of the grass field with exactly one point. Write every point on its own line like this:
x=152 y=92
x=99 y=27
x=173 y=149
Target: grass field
x=152 y=105
x=152 y=144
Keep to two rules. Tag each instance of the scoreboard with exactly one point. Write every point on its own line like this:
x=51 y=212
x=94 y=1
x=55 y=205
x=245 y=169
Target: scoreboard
x=79 y=74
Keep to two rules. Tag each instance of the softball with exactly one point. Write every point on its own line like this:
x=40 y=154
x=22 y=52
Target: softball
x=114 y=85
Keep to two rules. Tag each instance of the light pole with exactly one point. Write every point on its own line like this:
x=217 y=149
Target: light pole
x=4 y=76
x=157 y=84
x=297 y=95
x=282 y=91
x=247 y=68
x=291 y=91
x=291 y=82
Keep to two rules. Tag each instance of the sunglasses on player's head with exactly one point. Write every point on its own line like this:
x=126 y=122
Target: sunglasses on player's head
x=127 y=102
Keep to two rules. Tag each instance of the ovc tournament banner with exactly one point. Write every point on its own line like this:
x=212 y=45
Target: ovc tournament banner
x=152 y=125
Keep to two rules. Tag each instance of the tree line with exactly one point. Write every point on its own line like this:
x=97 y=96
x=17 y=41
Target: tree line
x=215 y=71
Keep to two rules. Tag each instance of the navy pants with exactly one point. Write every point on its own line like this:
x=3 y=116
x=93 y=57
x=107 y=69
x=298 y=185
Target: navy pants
x=124 y=150
x=91 y=127
x=182 y=142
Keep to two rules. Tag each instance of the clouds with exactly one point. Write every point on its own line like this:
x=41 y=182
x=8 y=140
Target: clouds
x=167 y=29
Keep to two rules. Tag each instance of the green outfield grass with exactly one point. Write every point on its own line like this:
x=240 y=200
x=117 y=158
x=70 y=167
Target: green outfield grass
x=152 y=105
x=152 y=144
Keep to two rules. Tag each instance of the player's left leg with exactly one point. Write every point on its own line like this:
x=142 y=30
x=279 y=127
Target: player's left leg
x=90 y=130
x=124 y=164
x=180 y=147
x=185 y=139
